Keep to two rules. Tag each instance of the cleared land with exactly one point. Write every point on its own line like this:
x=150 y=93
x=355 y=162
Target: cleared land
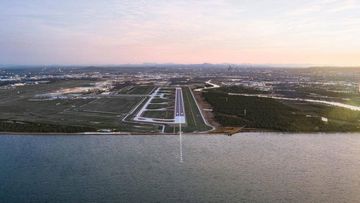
x=143 y=90
x=194 y=119
x=21 y=112
x=159 y=114
x=157 y=106
x=114 y=105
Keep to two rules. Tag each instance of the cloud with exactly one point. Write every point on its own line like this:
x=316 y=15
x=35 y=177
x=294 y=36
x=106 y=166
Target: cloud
x=324 y=6
x=345 y=5
x=116 y=31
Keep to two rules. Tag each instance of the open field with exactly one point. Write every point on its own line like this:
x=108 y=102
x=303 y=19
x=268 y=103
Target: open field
x=29 y=91
x=194 y=119
x=111 y=105
x=158 y=106
x=19 y=110
x=169 y=114
x=159 y=100
x=144 y=90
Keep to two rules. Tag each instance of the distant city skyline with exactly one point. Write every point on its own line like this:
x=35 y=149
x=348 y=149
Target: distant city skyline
x=318 y=32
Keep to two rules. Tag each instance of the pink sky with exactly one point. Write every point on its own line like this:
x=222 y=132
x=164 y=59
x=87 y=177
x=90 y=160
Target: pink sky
x=319 y=32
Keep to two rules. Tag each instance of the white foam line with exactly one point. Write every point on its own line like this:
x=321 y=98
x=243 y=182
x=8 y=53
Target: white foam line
x=180 y=143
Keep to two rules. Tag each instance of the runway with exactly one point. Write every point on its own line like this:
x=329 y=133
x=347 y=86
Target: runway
x=179 y=107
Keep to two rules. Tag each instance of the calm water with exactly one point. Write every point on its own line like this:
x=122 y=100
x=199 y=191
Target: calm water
x=247 y=167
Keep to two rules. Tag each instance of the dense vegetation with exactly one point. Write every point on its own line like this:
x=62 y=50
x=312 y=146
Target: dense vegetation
x=20 y=126
x=270 y=114
x=240 y=89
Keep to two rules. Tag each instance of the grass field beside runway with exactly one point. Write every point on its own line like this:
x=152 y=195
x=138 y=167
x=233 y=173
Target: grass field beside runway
x=136 y=89
x=168 y=114
x=145 y=89
x=157 y=106
x=19 y=110
x=161 y=106
x=194 y=120
x=159 y=100
x=114 y=105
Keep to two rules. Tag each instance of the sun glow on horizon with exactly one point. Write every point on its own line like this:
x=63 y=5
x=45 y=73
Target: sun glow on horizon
x=214 y=31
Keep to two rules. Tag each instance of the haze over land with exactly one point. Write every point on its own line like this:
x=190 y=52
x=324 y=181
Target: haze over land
x=320 y=32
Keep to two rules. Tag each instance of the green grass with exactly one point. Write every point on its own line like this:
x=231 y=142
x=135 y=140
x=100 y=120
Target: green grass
x=194 y=119
x=140 y=90
x=158 y=100
x=157 y=106
x=25 y=126
x=115 y=105
x=159 y=114
x=275 y=115
x=28 y=91
x=125 y=89
x=19 y=111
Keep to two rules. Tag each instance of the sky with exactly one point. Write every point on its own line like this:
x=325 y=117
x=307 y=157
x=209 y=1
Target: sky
x=319 y=32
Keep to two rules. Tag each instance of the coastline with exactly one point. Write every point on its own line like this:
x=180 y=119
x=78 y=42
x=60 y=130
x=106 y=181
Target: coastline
x=99 y=134
x=167 y=134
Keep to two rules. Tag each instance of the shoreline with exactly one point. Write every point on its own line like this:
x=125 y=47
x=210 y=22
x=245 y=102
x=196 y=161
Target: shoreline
x=167 y=134
x=106 y=134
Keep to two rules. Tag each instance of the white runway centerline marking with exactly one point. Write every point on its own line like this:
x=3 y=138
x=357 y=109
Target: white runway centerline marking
x=179 y=106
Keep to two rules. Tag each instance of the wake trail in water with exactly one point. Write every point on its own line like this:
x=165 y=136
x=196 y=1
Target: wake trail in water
x=180 y=144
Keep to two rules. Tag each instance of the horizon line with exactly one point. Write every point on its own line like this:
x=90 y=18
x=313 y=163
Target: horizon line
x=270 y=65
